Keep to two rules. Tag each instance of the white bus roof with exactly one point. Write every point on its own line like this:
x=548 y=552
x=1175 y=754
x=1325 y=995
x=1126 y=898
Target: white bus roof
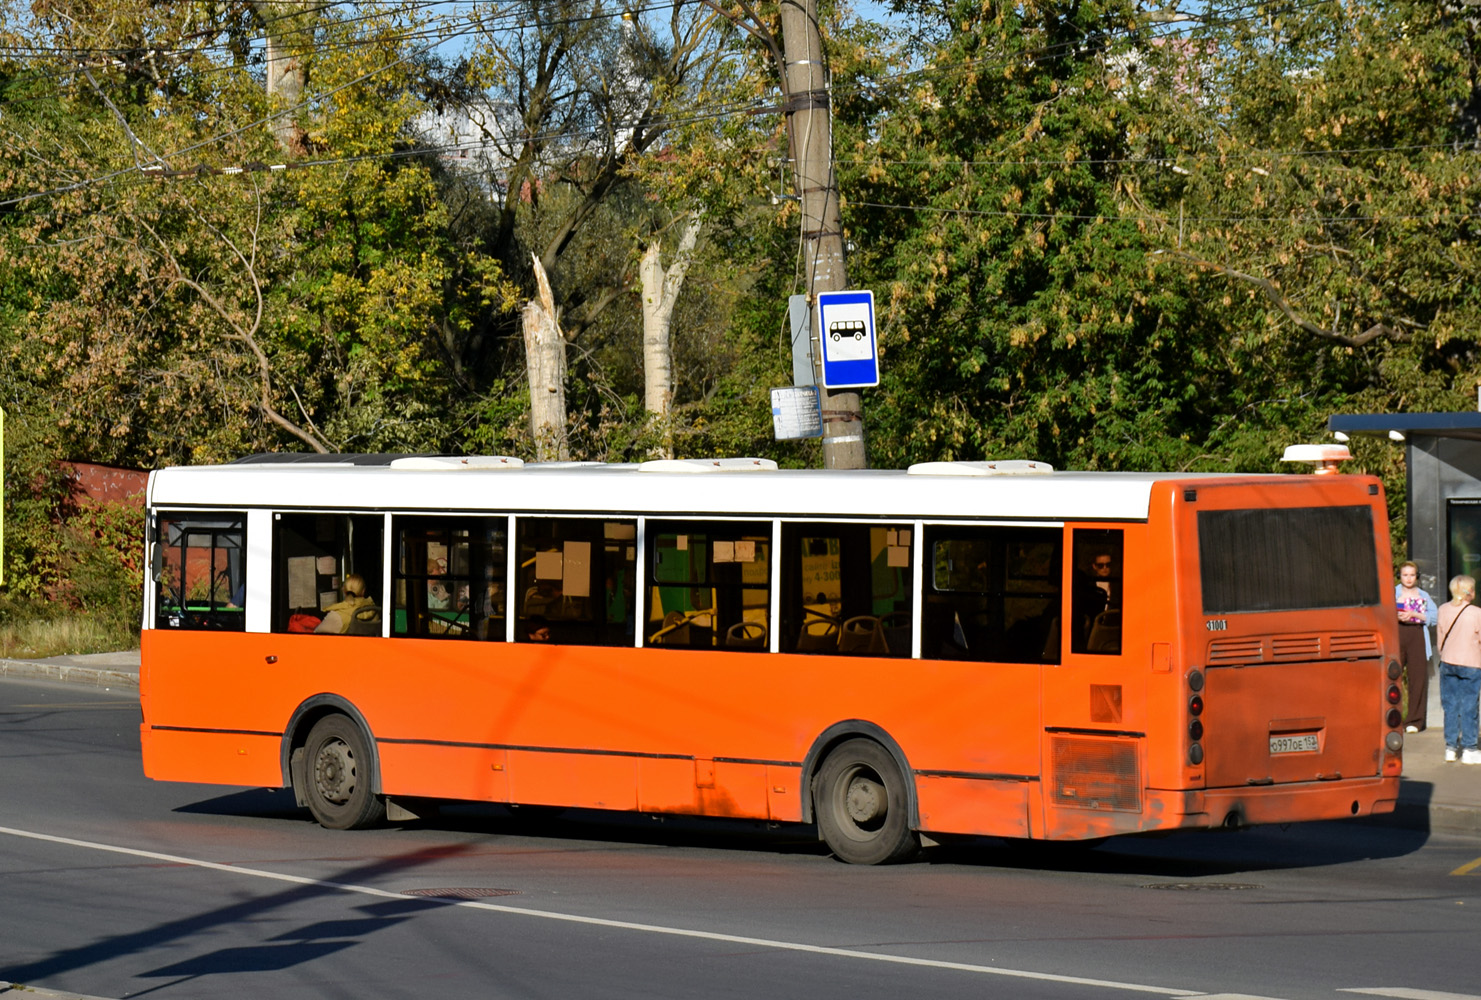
x=761 y=490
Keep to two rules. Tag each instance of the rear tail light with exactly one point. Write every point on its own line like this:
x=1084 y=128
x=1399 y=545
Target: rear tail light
x=1394 y=694
x=1395 y=718
x=1195 y=709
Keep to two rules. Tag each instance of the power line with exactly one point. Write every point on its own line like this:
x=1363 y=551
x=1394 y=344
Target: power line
x=1162 y=220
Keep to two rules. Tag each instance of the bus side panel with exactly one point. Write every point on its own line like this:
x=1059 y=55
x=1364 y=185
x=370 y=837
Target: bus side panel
x=211 y=758
x=592 y=726
x=440 y=772
x=667 y=785
x=973 y=806
x=592 y=781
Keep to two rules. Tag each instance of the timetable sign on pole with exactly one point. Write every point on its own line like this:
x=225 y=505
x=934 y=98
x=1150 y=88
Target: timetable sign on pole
x=846 y=328
x=796 y=412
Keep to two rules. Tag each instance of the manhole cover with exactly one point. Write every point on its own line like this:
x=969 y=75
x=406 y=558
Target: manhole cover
x=460 y=892
x=1202 y=886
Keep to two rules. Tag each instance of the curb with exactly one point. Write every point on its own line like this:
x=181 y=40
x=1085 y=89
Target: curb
x=39 y=670
x=33 y=991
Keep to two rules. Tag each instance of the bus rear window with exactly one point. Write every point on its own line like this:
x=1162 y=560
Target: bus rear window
x=1287 y=559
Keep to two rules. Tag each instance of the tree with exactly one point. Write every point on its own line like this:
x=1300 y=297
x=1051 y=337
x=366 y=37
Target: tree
x=577 y=94
x=661 y=288
x=190 y=316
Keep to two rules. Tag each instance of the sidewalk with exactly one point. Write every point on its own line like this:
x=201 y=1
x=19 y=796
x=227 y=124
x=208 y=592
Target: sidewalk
x=1434 y=795
x=106 y=670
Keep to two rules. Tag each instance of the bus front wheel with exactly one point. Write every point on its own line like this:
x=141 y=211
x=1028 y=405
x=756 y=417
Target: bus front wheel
x=337 y=776
x=862 y=809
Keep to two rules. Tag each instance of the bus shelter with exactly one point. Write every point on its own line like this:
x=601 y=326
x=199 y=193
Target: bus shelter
x=1442 y=454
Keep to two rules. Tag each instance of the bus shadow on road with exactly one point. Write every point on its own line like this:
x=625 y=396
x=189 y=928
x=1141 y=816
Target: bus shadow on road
x=1181 y=854
x=1197 y=853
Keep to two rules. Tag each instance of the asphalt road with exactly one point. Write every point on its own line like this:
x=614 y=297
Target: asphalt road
x=116 y=886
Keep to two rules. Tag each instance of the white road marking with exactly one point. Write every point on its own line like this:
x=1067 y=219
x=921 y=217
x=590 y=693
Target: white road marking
x=620 y=924
x=1404 y=993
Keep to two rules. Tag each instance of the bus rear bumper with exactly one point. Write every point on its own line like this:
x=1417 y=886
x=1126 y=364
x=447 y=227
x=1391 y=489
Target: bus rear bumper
x=1293 y=803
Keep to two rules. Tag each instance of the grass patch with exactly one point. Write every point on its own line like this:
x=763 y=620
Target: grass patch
x=38 y=638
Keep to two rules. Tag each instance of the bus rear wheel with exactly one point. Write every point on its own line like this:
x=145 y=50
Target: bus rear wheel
x=862 y=808
x=337 y=776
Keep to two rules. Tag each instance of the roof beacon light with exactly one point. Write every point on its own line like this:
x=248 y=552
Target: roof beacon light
x=1326 y=457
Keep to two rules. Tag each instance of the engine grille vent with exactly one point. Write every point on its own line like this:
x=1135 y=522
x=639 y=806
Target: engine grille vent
x=1296 y=647
x=1222 y=651
x=1094 y=773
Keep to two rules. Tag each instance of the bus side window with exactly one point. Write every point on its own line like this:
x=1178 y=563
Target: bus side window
x=1095 y=600
x=577 y=580
x=846 y=589
x=709 y=585
x=449 y=577
x=313 y=555
x=992 y=594
x=202 y=578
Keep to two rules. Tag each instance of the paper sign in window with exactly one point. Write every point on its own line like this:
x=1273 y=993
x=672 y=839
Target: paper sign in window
x=905 y=536
x=328 y=565
x=897 y=556
x=303 y=583
x=724 y=552
x=576 y=580
x=681 y=542
x=745 y=552
x=548 y=565
x=327 y=599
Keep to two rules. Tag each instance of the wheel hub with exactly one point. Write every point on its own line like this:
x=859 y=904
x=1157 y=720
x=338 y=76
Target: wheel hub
x=866 y=801
x=334 y=773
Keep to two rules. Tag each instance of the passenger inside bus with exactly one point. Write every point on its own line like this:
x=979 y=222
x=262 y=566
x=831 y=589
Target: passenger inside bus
x=356 y=614
x=1097 y=594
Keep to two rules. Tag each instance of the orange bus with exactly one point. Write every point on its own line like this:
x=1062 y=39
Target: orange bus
x=967 y=648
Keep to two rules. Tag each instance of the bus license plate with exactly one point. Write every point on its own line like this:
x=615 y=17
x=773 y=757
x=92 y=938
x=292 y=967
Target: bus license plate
x=1304 y=743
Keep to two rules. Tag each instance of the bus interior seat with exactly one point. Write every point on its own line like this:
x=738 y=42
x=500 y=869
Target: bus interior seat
x=365 y=621
x=673 y=632
x=896 y=626
x=862 y=634
x=746 y=635
x=1105 y=633
x=1051 y=641
x=819 y=636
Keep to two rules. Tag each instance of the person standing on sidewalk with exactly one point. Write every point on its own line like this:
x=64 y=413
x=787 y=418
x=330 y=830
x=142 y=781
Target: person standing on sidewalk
x=1460 y=670
x=1417 y=615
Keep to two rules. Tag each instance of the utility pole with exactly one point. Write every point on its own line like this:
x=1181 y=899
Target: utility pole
x=805 y=86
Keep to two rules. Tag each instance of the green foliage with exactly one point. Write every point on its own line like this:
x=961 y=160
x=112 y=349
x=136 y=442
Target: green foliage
x=1094 y=238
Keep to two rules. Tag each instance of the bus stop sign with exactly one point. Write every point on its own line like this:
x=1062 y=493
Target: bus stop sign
x=846 y=328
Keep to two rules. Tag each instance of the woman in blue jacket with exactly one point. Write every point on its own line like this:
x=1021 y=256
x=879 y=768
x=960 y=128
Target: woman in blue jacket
x=1417 y=615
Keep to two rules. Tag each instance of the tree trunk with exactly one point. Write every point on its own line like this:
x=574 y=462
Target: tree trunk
x=287 y=75
x=545 y=363
x=660 y=293
x=810 y=131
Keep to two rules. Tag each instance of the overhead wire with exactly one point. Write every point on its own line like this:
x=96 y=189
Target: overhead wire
x=698 y=116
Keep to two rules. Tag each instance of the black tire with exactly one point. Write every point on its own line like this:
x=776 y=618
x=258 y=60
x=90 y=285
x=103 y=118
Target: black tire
x=862 y=809
x=338 y=774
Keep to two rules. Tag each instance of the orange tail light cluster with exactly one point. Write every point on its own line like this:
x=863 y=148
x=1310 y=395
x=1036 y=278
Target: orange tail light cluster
x=1195 y=724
